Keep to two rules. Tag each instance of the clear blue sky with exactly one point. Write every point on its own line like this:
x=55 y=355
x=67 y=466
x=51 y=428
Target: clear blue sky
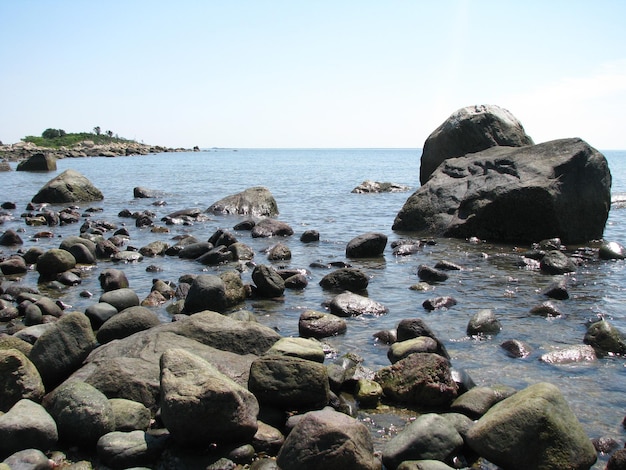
x=317 y=73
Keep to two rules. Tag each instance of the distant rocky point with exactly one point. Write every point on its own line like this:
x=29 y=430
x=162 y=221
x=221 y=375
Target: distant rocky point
x=87 y=148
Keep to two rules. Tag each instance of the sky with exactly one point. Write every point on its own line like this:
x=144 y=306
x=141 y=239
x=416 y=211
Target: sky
x=310 y=74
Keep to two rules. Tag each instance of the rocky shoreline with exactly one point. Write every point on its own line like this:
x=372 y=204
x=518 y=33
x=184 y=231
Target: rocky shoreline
x=24 y=150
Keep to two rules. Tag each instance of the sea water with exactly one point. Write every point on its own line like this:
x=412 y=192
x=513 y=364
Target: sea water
x=313 y=190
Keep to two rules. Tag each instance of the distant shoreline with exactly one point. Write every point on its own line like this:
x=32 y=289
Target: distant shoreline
x=23 y=150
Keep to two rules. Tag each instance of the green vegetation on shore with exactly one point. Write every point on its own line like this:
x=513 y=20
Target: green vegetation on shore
x=56 y=138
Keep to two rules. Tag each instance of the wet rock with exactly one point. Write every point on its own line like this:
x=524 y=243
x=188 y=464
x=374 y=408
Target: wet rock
x=268 y=282
x=310 y=236
x=469 y=130
x=570 y=354
x=516 y=348
x=438 y=303
x=617 y=461
x=368 y=245
x=267 y=439
x=313 y=324
x=484 y=322
x=247 y=224
x=134 y=449
x=241 y=251
x=422 y=379
x=401 y=349
x=308 y=447
x=82 y=254
x=55 y=261
x=611 y=250
x=120 y=298
x=351 y=279
x=222 y=237
x=10 y=238
x=82 y=413
x=279 y=252
x=216 y=256
x=19 y=378
x=13 y=265
x=38 y=162
x=534 y=428
x=386 y=336
x=349 y=304
x=605 y=338
x=28 y=459
x=141 y=192
x=256 y=201
x=428 y=274
x=129 y=321
x=195 y=250
x=62 y=348
x=297 y=282
x=406 y=247
x=69 y=186
x=204 y=407
x=289 y=383
x=153 y=249
x=546 y=309
x=271 y=228
x=13 y=342
x=368 y=393
x=69 y=242
x=447 y=266
x=555 y=262
x=368 y=186
x=429 y=437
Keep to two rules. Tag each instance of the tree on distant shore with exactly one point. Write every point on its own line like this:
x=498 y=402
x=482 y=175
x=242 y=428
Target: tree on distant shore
x=97 y=130
x=109 y=133
x=52 y=133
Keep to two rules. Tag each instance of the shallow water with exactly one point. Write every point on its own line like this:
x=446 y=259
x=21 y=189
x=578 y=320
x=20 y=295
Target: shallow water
x=313 y=191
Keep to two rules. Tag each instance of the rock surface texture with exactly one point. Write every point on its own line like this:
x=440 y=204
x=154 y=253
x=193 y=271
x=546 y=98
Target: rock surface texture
x=69 y=186
x=560 y=189
x=470 y=130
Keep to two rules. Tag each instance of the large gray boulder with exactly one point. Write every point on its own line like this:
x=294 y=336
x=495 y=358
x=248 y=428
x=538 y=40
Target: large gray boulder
x=82 y=413
x=469 y=130
x=26 y=425
x=257 y=201
x=534 y=428
x=330 y=440
x=200 y=405
x=19 y=379
x=62 y=348
x=69 y=186
x=217 y=293
x=560 y=189
x=129 y=368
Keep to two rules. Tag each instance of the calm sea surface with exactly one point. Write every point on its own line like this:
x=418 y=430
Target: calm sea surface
x=313 y=191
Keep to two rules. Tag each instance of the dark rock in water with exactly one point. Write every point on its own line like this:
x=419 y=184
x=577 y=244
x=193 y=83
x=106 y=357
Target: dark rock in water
x=13 y=265
x=314 y=324
x=222 y=238
x=194 y=250
x=439 y=302
x=111 y=279
x=141 y=192
x=129 y=321
x=268 y=282
x=69 y=186
x=271 y=228
x=557 y=290
x=546 y=309
x=484 y=322
x=386 y=336
x=297 y=281
x=207 y=292
x=310 y=236
x=447 y=266
x=38 y=162
x=99 y=313
x=410 y=328
x=470 y=130
x=279 y=252
x=516 y=348
x=184 y=216
x=245 y=225
x=218 y=255
x=407 y=247
x=349 y=304
x=428 y=274
x=605 y=338
x=617 y=461
x=368 y=245
x=401 y=349
x=422 y=379
x=555 y=262
x=378 y=187
x=10 y=238
x=351 y=279
x=120 y=298
x=515 y=195
x=55 y=261
x=612 y=250
x=257 y=201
